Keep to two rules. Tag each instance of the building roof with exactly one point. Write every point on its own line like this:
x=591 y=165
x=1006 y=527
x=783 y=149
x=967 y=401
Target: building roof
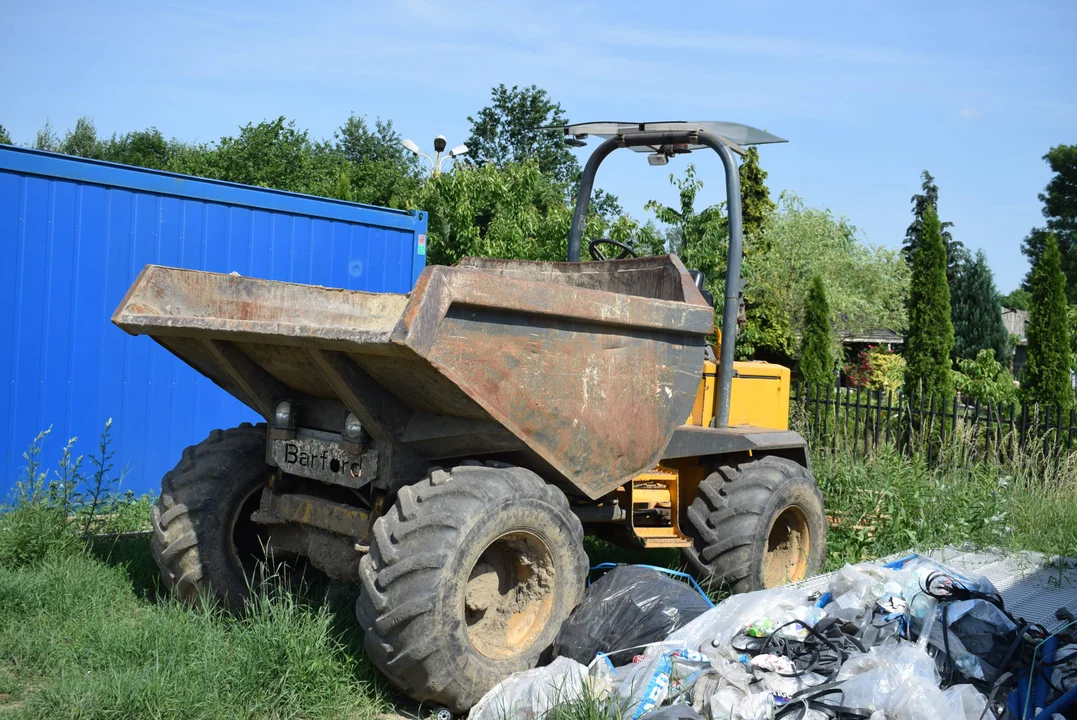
x=874 y=337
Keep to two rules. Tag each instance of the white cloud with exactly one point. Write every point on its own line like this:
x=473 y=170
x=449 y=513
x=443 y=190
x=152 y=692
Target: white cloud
x=970 y=114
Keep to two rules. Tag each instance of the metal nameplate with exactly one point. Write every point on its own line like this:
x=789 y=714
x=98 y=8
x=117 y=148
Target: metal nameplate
x=313 y=456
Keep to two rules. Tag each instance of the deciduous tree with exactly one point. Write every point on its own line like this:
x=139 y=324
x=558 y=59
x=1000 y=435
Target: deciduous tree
x=1059 y=200
x=506 y=131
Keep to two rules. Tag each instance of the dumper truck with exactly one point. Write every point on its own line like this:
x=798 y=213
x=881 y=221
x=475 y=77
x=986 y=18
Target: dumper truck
x=449 y=449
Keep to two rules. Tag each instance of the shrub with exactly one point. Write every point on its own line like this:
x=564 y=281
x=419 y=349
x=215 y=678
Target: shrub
x=876 y=369
x=985 y=379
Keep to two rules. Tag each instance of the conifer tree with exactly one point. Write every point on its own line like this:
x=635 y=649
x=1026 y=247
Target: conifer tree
x=816 y=348
x=931 y=331
x=977 y=312
x=1046 y=380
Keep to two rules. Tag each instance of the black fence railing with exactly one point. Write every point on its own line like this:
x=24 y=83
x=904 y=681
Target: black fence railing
x=860 y=420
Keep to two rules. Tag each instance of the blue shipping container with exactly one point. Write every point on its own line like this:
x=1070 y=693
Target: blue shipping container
x=75 y=233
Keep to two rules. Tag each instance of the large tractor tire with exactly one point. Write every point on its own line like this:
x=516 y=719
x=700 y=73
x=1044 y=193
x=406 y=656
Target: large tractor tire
x=469 y=577
x=756 y=524
x=203 y=538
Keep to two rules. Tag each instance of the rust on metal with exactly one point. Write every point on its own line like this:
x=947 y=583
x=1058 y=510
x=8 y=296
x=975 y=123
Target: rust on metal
x=580 y=371
x=294 y=508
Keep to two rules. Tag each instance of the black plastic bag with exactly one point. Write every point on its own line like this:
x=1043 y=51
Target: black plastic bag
x=627 y=607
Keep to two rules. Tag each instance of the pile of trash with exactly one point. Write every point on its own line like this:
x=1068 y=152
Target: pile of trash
x=912 y=640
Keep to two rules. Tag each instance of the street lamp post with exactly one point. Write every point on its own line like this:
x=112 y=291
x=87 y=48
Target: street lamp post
x=439 y=147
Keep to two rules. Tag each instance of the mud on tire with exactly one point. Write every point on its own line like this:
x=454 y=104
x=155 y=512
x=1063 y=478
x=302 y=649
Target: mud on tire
x=756 y=524
x=202 y=532
x=469 y=577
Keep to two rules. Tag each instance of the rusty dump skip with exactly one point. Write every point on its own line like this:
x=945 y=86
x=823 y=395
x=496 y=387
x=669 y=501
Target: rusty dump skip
x=581 y=370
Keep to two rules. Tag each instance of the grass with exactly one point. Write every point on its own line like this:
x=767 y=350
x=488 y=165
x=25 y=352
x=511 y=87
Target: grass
x=85 y=632
x=78 y=641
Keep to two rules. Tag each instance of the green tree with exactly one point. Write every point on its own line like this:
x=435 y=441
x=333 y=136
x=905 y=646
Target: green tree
x=512 y=211
x=955 y=250
x=1047 y=373
x=82 y=141
x=275 y=154
x=142 y=148
x=47 y=139
x=506 y=131
x=4 y=137
x=1019 y=299
x=379 y=170
x=700 y=239
x=817 y=344
x=977 y=312
x=756 y=204
x=866 y=285
x=930 y=339
x=1059 y=200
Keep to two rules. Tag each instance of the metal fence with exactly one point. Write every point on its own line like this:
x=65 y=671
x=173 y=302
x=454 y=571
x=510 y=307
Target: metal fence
x=860 y=420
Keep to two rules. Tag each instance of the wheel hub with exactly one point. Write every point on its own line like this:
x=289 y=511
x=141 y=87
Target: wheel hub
x=788 y=548
x=509 y=595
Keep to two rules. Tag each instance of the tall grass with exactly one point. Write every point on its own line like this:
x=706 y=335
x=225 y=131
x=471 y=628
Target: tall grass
x=86 y=633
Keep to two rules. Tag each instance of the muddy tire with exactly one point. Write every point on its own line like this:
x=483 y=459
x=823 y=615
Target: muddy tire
x=203 y=540
x=469 y=577
x=756 y=524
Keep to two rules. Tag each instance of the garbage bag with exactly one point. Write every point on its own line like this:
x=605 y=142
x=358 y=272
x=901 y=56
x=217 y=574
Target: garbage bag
x=531 y=694
x=901 y=682
x=653 y=681
x=628 y=607
x=712 y=632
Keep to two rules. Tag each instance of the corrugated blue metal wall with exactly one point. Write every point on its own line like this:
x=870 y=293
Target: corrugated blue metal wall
x=74 y=234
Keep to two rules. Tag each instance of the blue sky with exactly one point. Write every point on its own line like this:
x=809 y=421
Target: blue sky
x=869 y=94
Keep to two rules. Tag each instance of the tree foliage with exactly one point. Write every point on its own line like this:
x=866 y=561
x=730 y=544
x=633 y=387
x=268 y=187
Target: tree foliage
x=930 y=339
x=1019 y=299
x=977 y=313
x=699 y=238
x=985 y=379
x=929 y=197
x=817 y=342
x=512 y=211
x=1046 y=377
x=756 y=204
x=4 y=137
x=506 y=131
x=865 y=285
x=1059 y=200
x=379 y=171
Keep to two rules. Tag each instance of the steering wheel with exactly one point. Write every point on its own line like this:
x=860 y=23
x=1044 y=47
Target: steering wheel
x=593 y=249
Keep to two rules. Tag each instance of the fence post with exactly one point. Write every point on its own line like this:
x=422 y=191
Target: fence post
x=1073 y=411
x=889 y=412
x=826 y=415
x=856 y=418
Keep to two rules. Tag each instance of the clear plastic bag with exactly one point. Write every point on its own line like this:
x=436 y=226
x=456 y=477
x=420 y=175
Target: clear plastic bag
x=531 y=694
x=628 y=607
x=901 y=682
x=712 y=632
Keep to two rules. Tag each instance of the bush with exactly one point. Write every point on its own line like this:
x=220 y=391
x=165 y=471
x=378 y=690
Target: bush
x=876 y=369
x=985 y=379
